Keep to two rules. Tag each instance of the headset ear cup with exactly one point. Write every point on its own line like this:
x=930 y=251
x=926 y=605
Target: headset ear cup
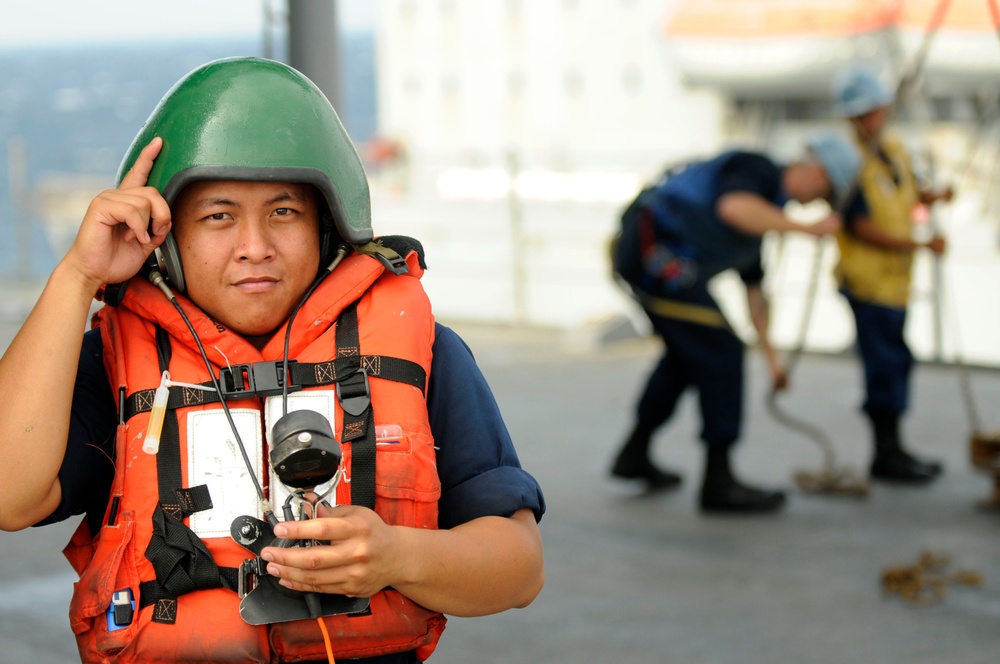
x=329 y=238
x=324 y=248
x=170 y=260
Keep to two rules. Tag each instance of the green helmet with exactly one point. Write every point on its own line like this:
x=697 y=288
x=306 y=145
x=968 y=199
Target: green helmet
x=253 y=119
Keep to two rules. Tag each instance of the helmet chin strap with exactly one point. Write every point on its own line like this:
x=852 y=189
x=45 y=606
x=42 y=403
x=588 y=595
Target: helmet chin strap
x=385 y=255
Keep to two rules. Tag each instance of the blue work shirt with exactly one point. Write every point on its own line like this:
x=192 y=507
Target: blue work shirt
x=684 y=206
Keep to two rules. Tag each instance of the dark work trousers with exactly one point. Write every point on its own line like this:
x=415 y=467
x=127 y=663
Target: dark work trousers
x=886 y=357
x=701 y=351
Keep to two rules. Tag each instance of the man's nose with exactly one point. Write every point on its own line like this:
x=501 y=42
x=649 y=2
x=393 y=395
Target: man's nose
x=254 y=241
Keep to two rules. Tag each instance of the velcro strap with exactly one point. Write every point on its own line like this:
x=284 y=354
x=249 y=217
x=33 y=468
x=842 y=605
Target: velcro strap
x=195 y=499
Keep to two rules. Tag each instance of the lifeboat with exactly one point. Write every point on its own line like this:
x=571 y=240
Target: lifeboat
x=770 y=49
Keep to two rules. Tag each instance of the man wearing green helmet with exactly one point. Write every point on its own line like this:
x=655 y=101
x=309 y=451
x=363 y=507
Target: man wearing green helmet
x=259 y=353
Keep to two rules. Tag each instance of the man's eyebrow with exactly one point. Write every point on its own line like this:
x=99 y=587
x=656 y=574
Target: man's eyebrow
x=285 y=196
x=211 y=201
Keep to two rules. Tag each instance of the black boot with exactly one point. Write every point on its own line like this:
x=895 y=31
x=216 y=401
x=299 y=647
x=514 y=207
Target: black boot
x=721 y=492
x=891 y=462
x=633 y=463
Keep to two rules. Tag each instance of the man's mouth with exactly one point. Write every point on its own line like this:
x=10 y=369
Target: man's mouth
x=256 y=284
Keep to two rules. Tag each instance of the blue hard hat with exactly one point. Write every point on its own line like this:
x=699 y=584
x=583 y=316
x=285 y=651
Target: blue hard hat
x=840 y=159
x=857 y=91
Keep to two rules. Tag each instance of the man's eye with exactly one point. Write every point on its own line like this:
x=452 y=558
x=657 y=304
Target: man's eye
x=218 y=216
x=283 y=211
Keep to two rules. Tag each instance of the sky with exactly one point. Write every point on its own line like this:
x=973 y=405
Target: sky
x=44 y=22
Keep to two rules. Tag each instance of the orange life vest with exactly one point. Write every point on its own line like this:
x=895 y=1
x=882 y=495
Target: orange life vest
x=393 y=328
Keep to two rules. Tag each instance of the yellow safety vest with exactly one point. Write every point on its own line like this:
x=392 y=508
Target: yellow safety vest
x=869 y=272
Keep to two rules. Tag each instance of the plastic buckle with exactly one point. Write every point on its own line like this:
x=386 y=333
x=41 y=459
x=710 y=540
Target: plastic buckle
x=269 y=378
x=237 y=380
x=261 y=379
x=251 y=571
x=396 y=265
x=355 y=402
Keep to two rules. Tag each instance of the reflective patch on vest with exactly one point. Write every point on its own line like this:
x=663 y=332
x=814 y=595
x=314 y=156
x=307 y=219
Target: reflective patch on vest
x=214 y=459
x=323 y=402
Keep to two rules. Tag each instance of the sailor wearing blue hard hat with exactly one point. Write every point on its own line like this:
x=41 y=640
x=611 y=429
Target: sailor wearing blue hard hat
x=873 y=273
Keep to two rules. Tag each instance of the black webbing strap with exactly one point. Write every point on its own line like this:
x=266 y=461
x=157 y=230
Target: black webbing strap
x=176 y=501
x=168 y=458
x=163 y=349
x=183 y=564
x=151 y=592
x=265 y=375
x=354 y=395
x=179 y=557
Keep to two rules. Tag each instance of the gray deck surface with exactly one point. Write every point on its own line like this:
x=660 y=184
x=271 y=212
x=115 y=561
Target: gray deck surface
x=647 y=578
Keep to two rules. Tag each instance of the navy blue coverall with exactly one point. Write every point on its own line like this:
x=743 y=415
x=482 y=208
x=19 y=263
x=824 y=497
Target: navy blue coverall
x=682 y=243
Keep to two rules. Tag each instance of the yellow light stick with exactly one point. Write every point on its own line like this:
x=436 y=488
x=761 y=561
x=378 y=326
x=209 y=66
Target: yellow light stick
x=151 y=445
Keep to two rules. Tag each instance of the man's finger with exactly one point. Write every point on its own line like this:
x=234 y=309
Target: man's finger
x=318 y=529
x=134 y=209
x=139 y=173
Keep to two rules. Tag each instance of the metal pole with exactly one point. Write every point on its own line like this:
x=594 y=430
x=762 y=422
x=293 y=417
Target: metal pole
x=938 y=295
x=268 y=33
x=314 y=45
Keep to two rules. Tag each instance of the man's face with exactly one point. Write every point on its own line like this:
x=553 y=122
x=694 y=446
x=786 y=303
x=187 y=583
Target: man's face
x=250 y=250
x=811 y=183
x=870 y=124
